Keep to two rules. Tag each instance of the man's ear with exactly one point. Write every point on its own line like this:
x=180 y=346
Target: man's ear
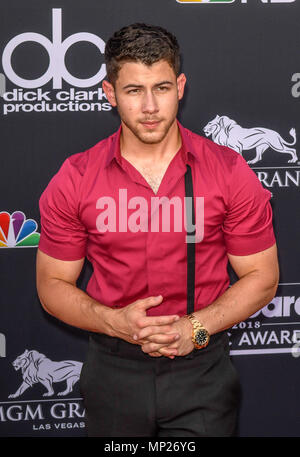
x=109 y=92
x=181 y=80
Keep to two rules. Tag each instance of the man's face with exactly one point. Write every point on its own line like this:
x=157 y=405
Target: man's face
x=146 y=98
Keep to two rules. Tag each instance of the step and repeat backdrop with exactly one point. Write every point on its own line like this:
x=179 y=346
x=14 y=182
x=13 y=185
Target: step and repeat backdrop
x=242 y=62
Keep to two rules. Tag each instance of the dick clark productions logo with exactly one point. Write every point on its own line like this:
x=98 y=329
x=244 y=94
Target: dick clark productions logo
x=56 y=49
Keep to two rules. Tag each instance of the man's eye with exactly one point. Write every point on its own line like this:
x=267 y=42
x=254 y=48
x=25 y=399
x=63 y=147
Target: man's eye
x=162 y=89
x=133 y=91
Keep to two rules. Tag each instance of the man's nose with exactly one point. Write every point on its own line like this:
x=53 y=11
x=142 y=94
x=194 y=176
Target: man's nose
x=149 y=103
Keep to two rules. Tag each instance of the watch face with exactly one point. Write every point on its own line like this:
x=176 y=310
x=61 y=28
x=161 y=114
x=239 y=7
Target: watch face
x=201 y=337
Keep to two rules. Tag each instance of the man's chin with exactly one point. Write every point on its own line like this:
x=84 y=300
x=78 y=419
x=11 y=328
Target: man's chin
x=151 y=137
x=148 y=135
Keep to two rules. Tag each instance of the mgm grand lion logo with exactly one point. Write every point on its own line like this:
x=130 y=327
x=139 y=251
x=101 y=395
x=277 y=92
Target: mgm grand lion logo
x=37 y=368
x=226 y=132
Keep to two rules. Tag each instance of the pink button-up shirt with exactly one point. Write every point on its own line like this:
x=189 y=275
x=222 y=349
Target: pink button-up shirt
x=100 y=207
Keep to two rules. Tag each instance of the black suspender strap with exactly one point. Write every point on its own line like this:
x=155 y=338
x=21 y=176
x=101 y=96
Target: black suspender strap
x=190 y=219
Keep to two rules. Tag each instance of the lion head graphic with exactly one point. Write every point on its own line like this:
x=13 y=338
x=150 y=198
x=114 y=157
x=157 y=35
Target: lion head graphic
x=37 y=368
x=226 y=132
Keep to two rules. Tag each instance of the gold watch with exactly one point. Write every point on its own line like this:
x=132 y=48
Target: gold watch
x=200 y=336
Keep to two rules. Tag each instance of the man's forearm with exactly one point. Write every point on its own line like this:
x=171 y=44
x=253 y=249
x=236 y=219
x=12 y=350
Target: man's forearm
x=75 y=307
x=239 y=302
x=256 y=287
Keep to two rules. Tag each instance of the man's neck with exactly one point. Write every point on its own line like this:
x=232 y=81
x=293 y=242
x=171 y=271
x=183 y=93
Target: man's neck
x=135 y=150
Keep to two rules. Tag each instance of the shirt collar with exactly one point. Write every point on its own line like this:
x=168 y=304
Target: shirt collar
x=187 y=147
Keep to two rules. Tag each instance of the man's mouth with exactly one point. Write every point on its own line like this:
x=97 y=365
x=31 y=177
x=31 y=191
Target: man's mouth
x=150 y=124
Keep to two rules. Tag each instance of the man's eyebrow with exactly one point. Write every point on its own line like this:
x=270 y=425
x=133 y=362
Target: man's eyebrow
x=132 y=85
x=163 y=83
x=139 y=86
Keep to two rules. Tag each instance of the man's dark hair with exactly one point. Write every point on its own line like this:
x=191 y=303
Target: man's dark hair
x=140 y=43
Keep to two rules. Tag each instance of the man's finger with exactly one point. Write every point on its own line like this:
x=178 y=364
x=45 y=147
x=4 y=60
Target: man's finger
x=168 y=352
x=162 y=338
x=148 y=302
x=155 y=347
x=155 y=329
x=153 y=321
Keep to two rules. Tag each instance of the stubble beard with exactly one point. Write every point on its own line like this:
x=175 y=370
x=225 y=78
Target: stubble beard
x=156 y=136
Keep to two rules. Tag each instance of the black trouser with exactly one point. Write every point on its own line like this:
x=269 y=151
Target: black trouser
x=129 y=393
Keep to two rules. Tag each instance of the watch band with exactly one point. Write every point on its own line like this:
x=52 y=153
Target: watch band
x=198 y=328
x=196 y=324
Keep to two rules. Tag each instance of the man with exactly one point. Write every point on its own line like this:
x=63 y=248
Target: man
x=152 y=370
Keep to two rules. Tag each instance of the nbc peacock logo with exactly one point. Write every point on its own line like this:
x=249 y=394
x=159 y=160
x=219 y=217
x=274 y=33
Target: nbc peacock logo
x=18 y=232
